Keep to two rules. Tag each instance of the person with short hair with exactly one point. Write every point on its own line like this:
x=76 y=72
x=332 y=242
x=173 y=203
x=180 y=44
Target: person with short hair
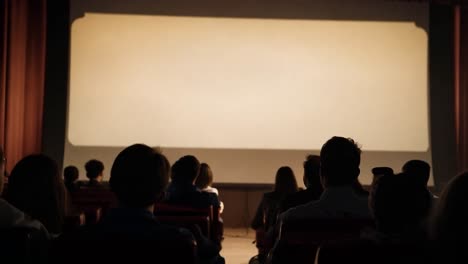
x=340 y=159
x=70 y=176
x=339 y=169
x=400 y=210
x=139 y=176
x=419 y=172
x=94 y=172
x=311 y=179
x=182 y=189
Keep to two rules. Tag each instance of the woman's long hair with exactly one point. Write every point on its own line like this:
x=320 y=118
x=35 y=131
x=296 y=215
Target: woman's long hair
x=36 y=188
x=285 y=181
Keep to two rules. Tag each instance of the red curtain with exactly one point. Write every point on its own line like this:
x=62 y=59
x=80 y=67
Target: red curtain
x=461 y=85
x=22 y=73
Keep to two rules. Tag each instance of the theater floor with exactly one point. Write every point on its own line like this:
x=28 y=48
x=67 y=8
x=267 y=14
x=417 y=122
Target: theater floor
x=237 y=245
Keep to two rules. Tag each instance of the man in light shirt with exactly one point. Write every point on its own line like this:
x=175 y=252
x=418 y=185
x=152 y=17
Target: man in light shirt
x=340 y=160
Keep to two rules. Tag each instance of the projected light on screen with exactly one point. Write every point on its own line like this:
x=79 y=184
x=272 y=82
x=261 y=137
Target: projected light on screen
x=204 y=82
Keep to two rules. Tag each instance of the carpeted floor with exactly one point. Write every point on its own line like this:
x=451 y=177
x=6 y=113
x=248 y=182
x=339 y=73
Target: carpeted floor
x=237 y=245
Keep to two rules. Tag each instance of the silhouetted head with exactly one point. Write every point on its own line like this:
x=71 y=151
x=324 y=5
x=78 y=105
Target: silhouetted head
x=398 y=205
x=36 y=188
x=70 y=174
x=418 y=170
x=139 y=175
x=449 y=225
x=285 y=181
x=205 y=177
x=186 y=169
x=2 y=168
x=339 y=162
x=94 y=169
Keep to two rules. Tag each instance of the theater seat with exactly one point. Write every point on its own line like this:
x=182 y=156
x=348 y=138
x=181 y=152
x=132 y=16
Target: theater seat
x=22 y=245
x=170 y=209
x=119 y=248
x=86 y=198
x=370 y=252
x=188 y=222
x=299 y=240
x=72 y=222
x=216 y=227
x=92 y=215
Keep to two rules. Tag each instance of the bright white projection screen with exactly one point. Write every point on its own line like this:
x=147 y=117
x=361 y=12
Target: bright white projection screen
x=275 y=88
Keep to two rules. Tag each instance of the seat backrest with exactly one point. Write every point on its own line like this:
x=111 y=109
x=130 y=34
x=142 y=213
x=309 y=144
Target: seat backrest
x=118 y=248
x=216 y=228
x=92 y=215
x=93 y=198
x=72 y=222
x=15 y=244
x=299 y=240
x=170 y=209
x=188 y=222
x=369 y=252
x=22 y=245
x=318 y=231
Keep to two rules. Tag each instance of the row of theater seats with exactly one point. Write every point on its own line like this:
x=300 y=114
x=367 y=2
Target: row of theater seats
x=327 y=241
x=16 y=245
x=22 y=245
x=25 y=246
x=299 y=240
x=94 y=203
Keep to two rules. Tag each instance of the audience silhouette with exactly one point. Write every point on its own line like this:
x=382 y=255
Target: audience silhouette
x=419 y=172
x=268 y=209
x=400 y=210
x=139 y=176
x=340 y=158
x=36 y=188
x=94 y=172
x=182 y=189
x=11 y=216
x=400 y=205
x=311 y=179
x=22 y=238
x=205 y=180
x=70 y=176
